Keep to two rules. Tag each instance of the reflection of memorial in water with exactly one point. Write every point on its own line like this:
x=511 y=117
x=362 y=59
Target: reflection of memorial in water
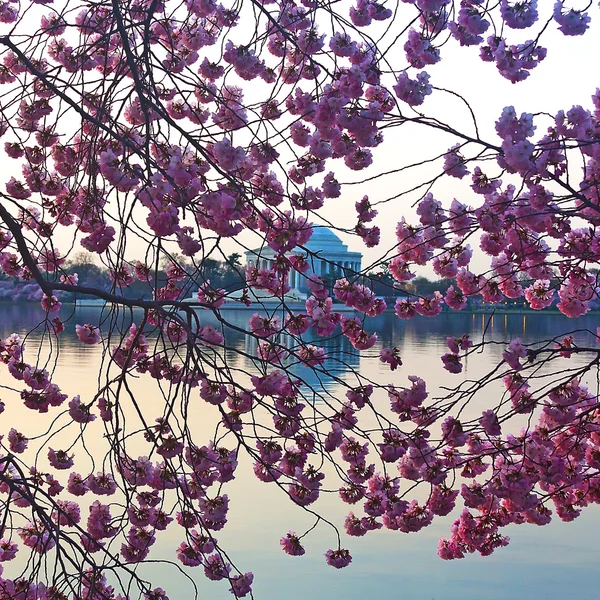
x=341 y=358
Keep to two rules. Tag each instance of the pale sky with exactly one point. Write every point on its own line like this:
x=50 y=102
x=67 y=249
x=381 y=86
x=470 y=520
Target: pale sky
x=566 y=77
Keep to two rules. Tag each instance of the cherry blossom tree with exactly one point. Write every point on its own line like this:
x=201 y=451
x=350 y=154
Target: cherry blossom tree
x=155 y=132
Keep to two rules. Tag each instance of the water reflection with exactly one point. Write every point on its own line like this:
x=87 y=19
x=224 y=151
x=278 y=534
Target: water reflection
x=341 y=358
x=418 y=335
x=548 y=563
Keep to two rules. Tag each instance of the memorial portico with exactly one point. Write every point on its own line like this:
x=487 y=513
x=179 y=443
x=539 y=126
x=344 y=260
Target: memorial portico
x=328 y=256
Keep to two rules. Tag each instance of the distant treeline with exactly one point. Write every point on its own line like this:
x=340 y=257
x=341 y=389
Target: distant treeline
x=228 y=274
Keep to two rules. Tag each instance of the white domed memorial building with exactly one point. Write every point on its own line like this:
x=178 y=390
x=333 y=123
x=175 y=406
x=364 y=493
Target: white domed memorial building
x=328 y=257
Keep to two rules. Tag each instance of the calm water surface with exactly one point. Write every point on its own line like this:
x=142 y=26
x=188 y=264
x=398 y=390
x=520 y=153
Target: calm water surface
x=549 y=563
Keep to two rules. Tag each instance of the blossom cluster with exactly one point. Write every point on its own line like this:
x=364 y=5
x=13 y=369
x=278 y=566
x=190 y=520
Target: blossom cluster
x=170 y=125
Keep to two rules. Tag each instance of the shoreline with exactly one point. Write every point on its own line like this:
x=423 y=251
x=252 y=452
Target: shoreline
x=294 y=306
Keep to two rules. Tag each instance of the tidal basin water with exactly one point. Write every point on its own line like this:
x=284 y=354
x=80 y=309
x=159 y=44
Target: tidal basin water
x=554 y=562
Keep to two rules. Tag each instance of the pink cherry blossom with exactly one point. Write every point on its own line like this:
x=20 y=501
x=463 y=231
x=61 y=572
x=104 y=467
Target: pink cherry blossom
x=88 y=334
x=338 y=558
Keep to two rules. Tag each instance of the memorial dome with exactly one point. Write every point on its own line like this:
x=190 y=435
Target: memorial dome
x=322 y=235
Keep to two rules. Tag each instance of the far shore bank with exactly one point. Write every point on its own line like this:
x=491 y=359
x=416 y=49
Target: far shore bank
x=487 y=310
